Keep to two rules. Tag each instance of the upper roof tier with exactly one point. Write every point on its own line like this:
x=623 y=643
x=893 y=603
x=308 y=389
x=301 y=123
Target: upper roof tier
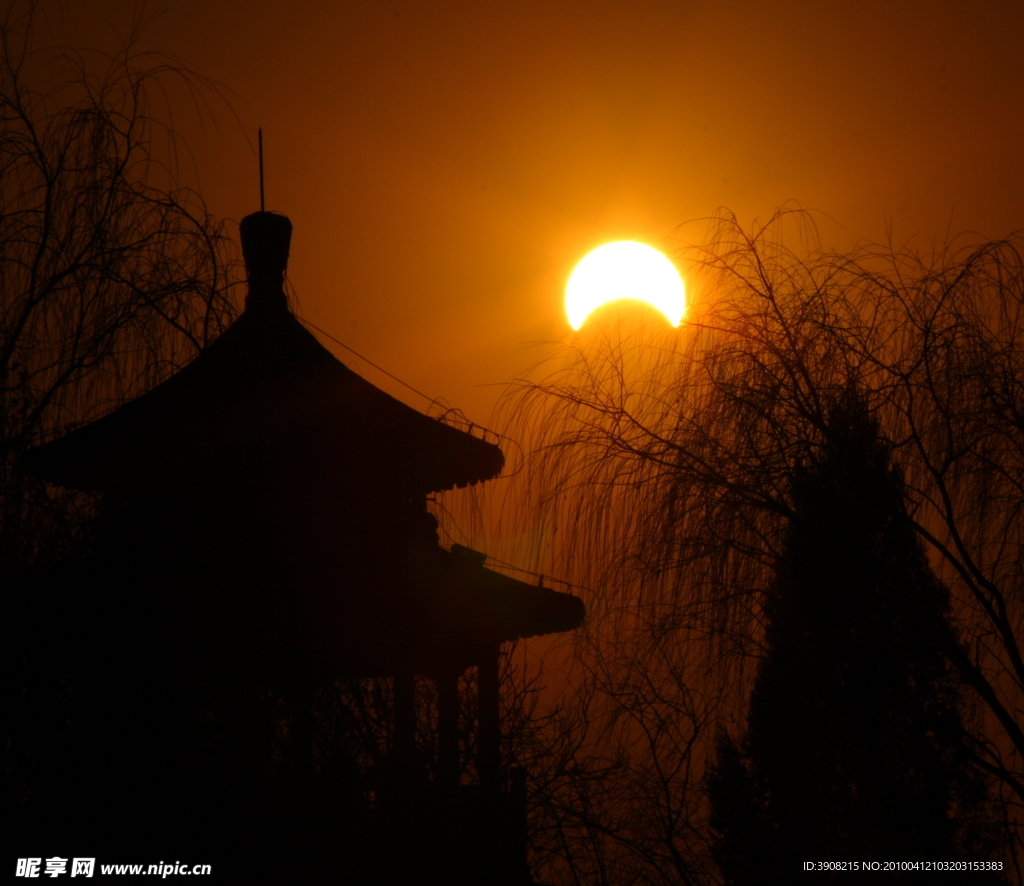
x=264 y=387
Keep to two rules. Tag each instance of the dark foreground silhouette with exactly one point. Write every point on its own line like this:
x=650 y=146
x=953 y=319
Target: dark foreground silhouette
x=238 y=671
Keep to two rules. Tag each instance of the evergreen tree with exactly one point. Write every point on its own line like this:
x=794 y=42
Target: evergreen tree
x=854 y=745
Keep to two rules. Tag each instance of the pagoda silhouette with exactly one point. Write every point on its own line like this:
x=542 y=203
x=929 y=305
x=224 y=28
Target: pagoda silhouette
x=264 y=533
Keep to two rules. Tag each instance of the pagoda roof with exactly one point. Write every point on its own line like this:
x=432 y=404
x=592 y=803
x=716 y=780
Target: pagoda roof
x=266 y=386
x=478 y=600
x=458 y=611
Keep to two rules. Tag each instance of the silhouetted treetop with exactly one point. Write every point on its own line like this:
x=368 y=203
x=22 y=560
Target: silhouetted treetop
x=854 y=748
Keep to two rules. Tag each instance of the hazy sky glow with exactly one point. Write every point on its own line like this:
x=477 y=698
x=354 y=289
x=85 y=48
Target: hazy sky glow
x=447 y=165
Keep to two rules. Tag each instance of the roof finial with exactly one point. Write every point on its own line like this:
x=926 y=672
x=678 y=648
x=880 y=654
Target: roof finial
x=266 y=239
x=259 y=136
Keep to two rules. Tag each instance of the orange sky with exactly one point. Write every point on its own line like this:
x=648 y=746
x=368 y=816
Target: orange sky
x=446 y=164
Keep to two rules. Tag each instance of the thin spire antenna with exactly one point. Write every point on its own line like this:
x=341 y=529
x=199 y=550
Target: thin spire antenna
x=259 y=137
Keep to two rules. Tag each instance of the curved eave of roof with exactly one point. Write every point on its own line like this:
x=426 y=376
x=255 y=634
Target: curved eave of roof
x=266 y=382
x=531 y=611
x=479 y=602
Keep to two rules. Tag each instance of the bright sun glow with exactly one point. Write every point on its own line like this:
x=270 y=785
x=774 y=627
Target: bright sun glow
x=624 y=270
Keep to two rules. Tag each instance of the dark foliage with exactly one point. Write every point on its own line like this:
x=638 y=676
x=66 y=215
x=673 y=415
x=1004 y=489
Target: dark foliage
x=854 y=749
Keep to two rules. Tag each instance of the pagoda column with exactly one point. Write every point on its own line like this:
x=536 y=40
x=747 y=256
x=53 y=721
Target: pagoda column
x=404 y=713
x=489 y=742
x=448 y=728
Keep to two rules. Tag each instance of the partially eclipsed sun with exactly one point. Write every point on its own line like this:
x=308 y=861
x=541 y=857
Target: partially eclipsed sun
x=624 y=270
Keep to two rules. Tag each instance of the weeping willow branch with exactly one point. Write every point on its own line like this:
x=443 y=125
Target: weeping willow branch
x=663 y=457
x=111 y=276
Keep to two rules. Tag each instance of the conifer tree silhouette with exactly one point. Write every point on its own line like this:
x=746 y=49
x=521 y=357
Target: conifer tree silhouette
x=854 y=745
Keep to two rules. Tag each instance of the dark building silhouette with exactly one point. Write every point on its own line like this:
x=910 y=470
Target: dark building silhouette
x=264 y=531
